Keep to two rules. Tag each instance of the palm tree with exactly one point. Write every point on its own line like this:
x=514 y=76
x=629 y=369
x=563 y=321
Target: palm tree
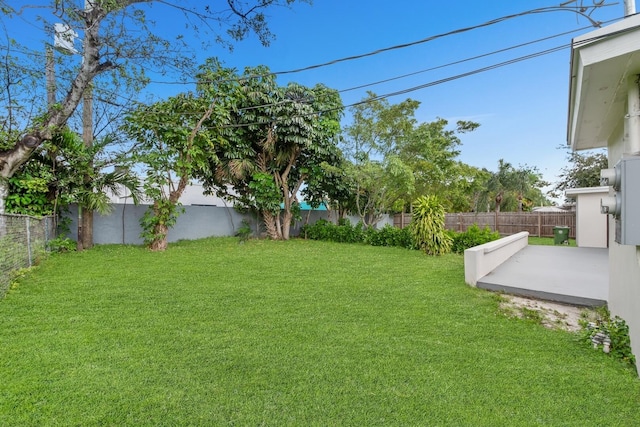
x=514 y=185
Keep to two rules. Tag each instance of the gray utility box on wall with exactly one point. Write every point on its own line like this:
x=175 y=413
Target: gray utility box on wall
x=625 y=204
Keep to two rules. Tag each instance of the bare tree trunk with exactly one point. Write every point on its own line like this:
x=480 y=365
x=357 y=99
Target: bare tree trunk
x=4 y=193
x=271 y=225
x=286 y=224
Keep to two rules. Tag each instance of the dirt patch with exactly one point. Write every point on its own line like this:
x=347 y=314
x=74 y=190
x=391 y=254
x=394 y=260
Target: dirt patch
x=551 y=315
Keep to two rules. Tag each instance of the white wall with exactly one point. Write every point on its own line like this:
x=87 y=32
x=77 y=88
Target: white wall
x=591 y=225
x=624 y=268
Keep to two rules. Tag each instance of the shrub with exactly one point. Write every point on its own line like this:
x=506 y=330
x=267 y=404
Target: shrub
x=428 y=226
x=244 y=231
x=343 y=232
x=609 y=334
x=62 y=244
x=390 y=236
x=474 y=236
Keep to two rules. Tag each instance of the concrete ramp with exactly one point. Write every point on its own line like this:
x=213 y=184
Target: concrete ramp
x=570 y=275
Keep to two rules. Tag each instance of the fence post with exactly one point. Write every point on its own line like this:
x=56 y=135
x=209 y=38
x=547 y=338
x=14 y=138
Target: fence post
x=28 y=240
x=539 y=224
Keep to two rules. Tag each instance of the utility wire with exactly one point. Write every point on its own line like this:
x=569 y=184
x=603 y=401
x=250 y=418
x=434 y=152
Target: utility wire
x=462 y=75
x=578 y=10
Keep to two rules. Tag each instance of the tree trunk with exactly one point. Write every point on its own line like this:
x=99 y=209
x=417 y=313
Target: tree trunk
x=498 y=202
x=87 y=229
x=160 y=242
x=85 y=226
x=286 y=224
x=271 y=225
x=58 y=114
x=4 y=193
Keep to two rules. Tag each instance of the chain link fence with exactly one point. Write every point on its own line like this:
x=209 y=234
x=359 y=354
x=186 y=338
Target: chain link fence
x=23 y=240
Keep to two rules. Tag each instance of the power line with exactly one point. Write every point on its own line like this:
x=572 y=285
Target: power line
x=401 y=46
x=484 y=55
x=578 y=10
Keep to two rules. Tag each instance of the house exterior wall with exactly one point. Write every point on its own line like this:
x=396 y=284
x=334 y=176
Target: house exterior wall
x=624 y=268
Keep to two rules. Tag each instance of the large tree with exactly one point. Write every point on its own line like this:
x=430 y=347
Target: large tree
x=512 y=189
x=583 y=171
x=176 y=138
x=281 y=137
x=117 y=38
x=395 y=159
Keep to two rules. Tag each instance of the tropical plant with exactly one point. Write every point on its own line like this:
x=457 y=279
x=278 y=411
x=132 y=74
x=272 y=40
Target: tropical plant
x=176 y=138
x=281 y=139
x=428 y=226
x=512 y=189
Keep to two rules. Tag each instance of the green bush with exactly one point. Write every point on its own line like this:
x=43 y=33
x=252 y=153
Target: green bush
x=390 y=236
x=474 y=236
x=344 y=232
x=61 y=244
x=428 y=227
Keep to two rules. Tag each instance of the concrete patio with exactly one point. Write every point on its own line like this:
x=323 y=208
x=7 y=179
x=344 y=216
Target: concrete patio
x=569 y=275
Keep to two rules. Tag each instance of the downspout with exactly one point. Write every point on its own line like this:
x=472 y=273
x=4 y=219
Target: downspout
x=633 y=98
x=629 y=7
x=633 y=115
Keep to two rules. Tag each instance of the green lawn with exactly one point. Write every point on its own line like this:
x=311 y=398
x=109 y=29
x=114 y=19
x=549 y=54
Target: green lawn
x=306 y=333
x=547 y=241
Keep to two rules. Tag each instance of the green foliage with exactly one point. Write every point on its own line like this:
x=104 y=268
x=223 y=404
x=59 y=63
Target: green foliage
x=390 y=236
x=177 y=138
x=157 y=219
x=428 y=226
x=474 y=236
x=244 y=231
x=583 y=171
x=61 y=244
x=64 y=171
x=345 y=232
x=266 y=195
x=615 y=330
x=28 y=196
x=283 y=138
x=512 y=189
x=392 y=159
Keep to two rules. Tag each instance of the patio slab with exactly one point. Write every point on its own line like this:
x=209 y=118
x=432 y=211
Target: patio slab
x=569 y=275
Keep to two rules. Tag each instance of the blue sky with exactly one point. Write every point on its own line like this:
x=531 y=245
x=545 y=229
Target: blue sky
x=522 y=108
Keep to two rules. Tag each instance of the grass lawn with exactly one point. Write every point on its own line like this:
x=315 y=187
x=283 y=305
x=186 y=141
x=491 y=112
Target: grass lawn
x=548 y=241
x=306 y=333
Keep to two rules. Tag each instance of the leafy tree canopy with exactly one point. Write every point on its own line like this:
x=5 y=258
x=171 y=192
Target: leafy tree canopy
x=583 y=171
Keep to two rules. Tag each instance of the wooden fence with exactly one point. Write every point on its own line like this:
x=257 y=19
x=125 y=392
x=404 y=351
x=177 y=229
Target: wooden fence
x=539 y=224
